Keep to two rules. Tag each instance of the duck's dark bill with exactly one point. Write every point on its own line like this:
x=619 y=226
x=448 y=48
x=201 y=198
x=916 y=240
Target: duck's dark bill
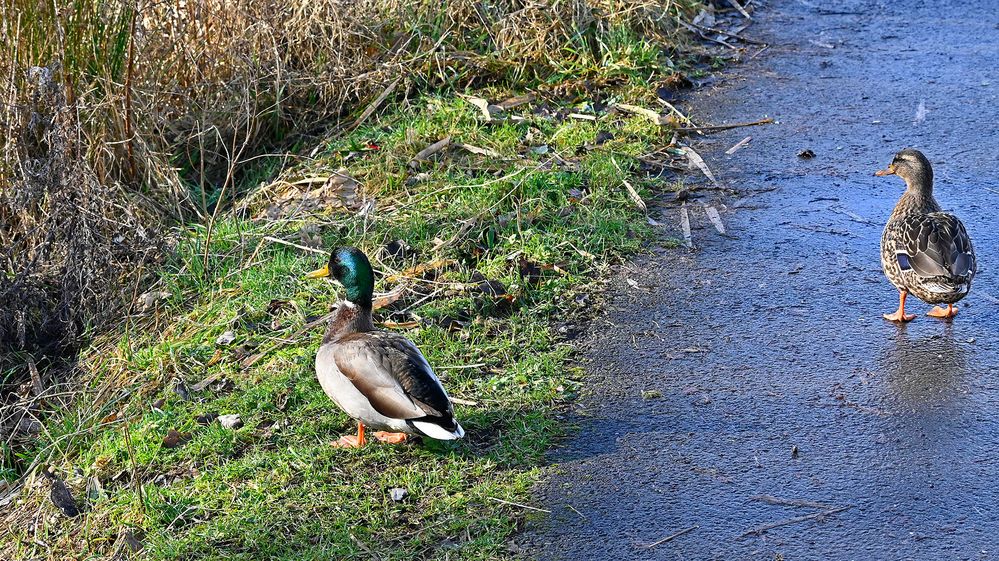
x=319 y=273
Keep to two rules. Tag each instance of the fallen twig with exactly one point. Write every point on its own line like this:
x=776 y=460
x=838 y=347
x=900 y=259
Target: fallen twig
x=717 y=128
x=723 y=32
x=738 y=145
x=671 y=537
x=520 y=505
x=787 y=522
x=735 y=4
x=295 y=245
x=581 y=515
x=791 y=502
x=373 y=106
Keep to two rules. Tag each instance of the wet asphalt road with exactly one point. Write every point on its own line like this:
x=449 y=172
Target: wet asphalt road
x=773 y=338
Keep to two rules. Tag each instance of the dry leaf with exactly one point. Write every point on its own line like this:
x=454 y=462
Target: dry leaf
x=654 y=116
x=489 y=111
x=635 y=196
x=383 y=300
x=174 y=439
x=480 y=151
x=698 y=162
x=715 y=218
x=225 y=338
x=421 y=269
x=685 y=226
x=216 y=358
x=149 y=299
x=434 y=148
x=516 y=101
x=400 y=324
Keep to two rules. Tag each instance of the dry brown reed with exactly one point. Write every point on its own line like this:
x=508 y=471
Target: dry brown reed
x=122 y=116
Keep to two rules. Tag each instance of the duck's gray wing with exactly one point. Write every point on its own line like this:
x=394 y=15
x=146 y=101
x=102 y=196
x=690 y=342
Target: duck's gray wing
x=395 y=377
x=936 y=245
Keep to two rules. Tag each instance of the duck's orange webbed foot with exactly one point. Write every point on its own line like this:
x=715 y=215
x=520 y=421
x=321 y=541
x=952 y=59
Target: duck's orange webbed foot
x=942 y=313
x=900 y=317
x=352 y=441
x=390 y=437
x=349 y=441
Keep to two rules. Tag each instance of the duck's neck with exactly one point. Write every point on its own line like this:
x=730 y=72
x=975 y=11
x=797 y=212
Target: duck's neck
x=349 y=318
x=919 y=194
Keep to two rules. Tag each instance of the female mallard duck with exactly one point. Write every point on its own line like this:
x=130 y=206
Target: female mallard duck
x=379 y=378
x=924 y=251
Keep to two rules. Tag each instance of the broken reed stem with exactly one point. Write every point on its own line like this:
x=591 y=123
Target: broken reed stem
x=132 y=169
x=230 y=179
x=787 y=522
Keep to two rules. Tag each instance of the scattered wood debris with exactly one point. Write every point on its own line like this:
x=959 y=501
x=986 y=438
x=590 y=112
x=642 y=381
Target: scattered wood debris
x=671 y=537
x=759 y=530
x=738 y=145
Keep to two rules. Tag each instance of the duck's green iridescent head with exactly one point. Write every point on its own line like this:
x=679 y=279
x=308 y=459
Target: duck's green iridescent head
x=352 y=269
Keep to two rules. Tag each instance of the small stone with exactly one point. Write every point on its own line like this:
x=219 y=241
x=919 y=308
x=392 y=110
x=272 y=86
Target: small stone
x=398 y=493
x=226 y=338
x=230 y=421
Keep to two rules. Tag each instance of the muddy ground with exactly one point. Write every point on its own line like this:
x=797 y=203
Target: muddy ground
x=777 y=374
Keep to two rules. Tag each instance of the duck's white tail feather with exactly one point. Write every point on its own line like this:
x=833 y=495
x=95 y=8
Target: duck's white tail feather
x=438 y=432
x=946 y=288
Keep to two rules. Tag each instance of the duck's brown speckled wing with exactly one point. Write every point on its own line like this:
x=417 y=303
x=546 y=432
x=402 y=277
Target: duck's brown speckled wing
x=394 y=376
x=935 y=245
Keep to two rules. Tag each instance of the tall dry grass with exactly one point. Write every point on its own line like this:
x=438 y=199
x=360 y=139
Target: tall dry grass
x=122 y=116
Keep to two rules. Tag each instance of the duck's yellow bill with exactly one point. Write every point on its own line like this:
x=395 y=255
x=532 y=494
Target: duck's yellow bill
x=319 y=273
x=889 y=171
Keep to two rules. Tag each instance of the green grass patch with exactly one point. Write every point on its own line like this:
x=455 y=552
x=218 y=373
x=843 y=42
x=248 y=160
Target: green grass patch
x=541 y=226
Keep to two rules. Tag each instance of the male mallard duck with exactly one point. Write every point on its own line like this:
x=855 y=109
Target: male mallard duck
x=379 y=378
x=924 y=251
